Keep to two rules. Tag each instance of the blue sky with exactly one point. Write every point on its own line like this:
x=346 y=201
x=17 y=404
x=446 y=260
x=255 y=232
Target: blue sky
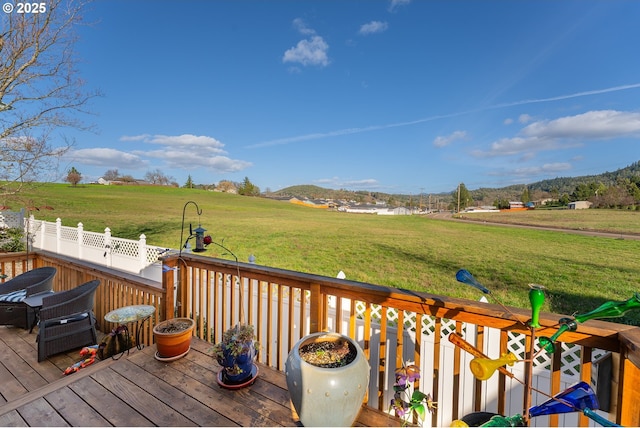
x=390 y=96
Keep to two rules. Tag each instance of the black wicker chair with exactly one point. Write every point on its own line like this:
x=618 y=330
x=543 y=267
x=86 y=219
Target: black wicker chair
x=12 y=293
x=67 y=321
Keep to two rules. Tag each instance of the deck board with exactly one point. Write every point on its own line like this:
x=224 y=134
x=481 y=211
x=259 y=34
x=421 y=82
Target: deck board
x=138 y=390
x=106 y=404
x=74 y=409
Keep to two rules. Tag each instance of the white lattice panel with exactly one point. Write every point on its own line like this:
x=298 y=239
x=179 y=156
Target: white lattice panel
x=91 y=239
x=570 y=361
x=125 y=247
x=153 y=253
x=69 y=234
x=11 y=219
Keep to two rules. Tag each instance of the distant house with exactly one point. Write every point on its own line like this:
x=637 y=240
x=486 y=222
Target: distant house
x=375 y=209
x=395 y=211
x=580 y=205
x=515 y=205
x=310 y=203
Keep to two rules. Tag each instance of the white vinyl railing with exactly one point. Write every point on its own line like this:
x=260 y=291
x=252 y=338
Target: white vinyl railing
x=100 y=248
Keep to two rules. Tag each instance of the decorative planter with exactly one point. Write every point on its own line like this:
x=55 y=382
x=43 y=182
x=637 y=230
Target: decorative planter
x=173 y=338
x=327 y=396
x=243 y=364
x=236 y=353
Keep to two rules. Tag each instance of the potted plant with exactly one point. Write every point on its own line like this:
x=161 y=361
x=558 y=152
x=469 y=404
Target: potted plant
x=326 y=372
x=236 y=354
x=173 y=338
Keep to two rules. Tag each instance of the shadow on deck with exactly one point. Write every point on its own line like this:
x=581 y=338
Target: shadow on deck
x=138 y=390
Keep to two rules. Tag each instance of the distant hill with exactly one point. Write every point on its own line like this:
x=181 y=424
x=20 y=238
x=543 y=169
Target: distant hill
x=559 y=185
x=537 y=190
x=316 y=192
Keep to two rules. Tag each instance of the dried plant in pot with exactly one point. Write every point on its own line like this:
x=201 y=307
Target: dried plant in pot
x=236 y=354
x=173 y=338
x=327 y=379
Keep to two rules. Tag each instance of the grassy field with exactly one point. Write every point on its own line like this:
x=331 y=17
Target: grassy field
x=412 y=252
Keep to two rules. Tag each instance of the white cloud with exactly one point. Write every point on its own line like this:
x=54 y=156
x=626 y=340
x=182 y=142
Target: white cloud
x=135 y=137
x=525 y=118
x=534 y=171
x=302 y=27
x=396 y=3
x=176 y=158
x=188 y=151
x=569 y=131
x=508 y=121
x=186 y=142
x=184 y=151
x=599 y=124
x=442 y=141
x=373 y=27
x=312 y=51
x=103 y=156
x=518 y=145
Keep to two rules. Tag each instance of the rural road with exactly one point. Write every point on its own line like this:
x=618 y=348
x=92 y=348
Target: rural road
x=449 y=216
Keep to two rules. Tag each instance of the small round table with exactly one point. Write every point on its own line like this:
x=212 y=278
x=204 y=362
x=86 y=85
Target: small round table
x=130 y=314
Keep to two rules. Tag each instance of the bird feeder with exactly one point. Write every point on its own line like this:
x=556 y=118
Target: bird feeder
x=199 y=231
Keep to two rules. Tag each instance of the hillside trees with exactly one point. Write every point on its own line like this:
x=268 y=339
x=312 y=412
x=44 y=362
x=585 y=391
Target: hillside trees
x=111 y=175
x=40 y=91
x=158 y=177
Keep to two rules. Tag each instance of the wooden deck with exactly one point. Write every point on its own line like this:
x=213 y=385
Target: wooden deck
x=138 y=390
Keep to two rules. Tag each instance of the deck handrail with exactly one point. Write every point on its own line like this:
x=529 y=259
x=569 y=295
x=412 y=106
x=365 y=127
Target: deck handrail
x=286 y=305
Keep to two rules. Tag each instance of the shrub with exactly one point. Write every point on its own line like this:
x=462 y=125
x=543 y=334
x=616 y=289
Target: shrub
x=11 y=240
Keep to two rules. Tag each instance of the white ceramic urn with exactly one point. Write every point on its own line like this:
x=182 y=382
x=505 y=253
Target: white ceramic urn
x=327 y=396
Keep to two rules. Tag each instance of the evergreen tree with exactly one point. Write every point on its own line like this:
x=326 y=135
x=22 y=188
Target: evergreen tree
x=462 y=196
x=189 y=183
x=247 y=188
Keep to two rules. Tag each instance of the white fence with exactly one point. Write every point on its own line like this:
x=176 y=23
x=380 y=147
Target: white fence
x=100 y=248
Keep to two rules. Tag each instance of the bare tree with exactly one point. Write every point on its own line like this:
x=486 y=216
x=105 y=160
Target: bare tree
x=158 y=177
x=40 y=90
x=111 y=175
x=73 y=176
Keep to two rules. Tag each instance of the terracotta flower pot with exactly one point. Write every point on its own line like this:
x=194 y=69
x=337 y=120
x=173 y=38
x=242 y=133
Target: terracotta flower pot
x=327 y=396
x=173 y=337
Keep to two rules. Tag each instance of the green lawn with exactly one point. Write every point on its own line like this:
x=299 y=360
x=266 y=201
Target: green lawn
x=412 y=252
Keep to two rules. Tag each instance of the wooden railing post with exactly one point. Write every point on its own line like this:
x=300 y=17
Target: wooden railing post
x=628 y=411
x=316 y=316
x=168 y=284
